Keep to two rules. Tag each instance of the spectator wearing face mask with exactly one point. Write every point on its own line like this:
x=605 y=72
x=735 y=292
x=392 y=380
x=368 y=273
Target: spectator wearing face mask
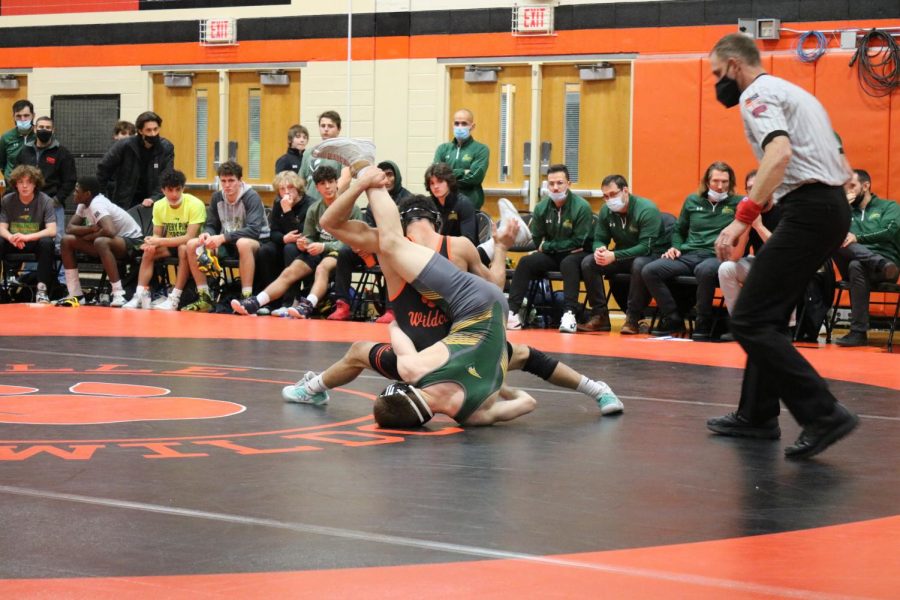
x=635 y=226
x=560 y=226
x=468 y=158
x=703 y=216
x=12 y=142
x=52 y=158
x=134 y=164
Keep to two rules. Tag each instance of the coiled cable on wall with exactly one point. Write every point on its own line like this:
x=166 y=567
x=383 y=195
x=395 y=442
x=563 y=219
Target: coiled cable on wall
x=810 y=56
x=878 y=64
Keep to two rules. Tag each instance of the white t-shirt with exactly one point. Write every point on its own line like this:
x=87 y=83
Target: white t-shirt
x=101 y=206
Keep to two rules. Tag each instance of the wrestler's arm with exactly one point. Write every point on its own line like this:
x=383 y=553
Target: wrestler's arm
x=514 y=404
x=336 y=221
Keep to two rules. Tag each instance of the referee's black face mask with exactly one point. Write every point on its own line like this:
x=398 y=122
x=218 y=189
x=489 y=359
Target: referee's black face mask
x=727 y=90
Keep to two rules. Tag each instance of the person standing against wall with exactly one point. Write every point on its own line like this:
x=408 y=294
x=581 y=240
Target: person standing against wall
x=12 y=142
x=800 y=167
x=468 y=158
x=298 y=137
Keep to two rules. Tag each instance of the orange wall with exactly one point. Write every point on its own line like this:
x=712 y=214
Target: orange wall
x=680 y=128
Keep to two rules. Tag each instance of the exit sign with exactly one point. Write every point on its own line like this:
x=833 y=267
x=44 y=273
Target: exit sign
x=533 y=19
x=218 y=31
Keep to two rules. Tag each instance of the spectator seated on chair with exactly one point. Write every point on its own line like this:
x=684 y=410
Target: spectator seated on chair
x=636 y=226
x=560 y=225
x=457 y=212
x=317 y=253
x=102 y=229
x=350 y=260
x=235 y=225
x=870 y=253
x=28 y=225
x=703 y=215
x=177 y=219
x=286 y=222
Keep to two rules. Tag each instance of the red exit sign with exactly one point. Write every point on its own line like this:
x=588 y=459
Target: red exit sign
x=534 y=19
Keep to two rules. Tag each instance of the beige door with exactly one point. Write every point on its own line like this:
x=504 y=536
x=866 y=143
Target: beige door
x=191 y=122
x=258 y=120
x=587 y=123
x=502 y=121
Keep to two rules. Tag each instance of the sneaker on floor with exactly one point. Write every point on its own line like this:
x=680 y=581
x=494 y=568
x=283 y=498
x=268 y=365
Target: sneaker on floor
x=169 y=303
x=203 y=304
x=387 y=318
x=70 y=302
x=673 y=325
x=341 y=312
x=280 y=312
x=247 y=306
x=298 y=393
x=136 y=301
x=41 y=297
x=303 y=309
x=118 y=300
x=513 y=322
x=568 y=324
x=351 y=152
x=853 y=339
x=609 y=403
x=509 y=212
x=263 y=311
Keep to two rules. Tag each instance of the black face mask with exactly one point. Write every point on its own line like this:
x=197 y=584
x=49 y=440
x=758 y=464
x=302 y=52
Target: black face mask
x=43 y=135
x=727 y=91
x=152 y=140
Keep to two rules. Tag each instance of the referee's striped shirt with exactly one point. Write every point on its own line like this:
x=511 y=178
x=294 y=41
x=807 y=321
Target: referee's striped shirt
x=770 y=106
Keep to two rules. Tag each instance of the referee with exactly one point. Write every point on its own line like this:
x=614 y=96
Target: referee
x=801 y=167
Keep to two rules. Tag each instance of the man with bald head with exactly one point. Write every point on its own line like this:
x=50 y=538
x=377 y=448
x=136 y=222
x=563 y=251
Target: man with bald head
x=468 y=158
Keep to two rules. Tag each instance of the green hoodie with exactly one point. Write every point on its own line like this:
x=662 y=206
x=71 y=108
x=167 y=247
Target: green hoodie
x=701 y=221
x=637 y=232
x=878 y=227
x=562 y=229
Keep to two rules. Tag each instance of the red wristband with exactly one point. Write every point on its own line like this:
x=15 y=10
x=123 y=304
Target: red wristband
x=747 y=211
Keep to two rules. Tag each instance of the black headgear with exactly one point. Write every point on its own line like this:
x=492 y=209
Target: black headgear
x=401 y=405
x=420 y=212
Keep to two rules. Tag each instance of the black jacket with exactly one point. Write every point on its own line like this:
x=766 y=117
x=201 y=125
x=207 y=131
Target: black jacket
x=281 y=222
x=290 y=161
x=122 y=167
x=57 y=165
x=458 y=216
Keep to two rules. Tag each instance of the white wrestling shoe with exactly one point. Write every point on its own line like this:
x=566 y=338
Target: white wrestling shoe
x=347 y=151
x=508 y=212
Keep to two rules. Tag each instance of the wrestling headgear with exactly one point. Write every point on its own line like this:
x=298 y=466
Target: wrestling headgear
x=401 y=405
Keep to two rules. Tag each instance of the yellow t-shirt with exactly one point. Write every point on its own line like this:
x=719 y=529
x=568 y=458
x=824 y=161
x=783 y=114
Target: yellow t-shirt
x=175 y=221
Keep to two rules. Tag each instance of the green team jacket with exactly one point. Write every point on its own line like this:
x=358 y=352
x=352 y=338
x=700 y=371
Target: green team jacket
x=11 y=143
x=878 y=227
x=701 y=221
x=564 y=229
x=314 y=232
x=637 y=232
x=469 y=162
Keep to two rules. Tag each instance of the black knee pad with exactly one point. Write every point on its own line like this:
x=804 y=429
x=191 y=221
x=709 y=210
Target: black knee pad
x=540 y=364
x=384 y=361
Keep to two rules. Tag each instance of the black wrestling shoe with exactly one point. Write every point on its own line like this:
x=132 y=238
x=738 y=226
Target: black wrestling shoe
x=823 y=432
x=735 y=425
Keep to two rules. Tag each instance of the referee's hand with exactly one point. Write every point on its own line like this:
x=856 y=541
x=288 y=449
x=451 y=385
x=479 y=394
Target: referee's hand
x=728 y=239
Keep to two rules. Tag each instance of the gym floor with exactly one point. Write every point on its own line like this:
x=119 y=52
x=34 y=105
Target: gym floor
x=149 y=455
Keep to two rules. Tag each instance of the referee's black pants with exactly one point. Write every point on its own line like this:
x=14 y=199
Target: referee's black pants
x=814 y=222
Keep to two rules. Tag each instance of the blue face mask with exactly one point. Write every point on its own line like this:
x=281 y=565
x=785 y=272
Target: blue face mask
x=461 y=133
x=23 y=125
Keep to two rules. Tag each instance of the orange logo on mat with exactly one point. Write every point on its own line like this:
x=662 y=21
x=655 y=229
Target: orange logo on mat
x=96 y=402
